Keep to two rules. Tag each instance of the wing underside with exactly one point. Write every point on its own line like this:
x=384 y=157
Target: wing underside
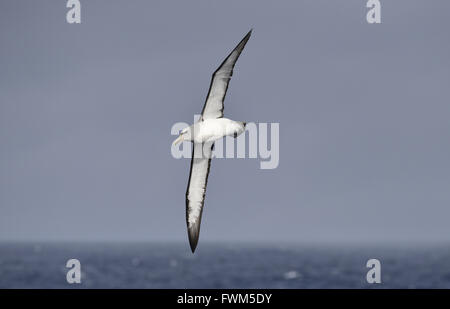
x=196 y=189
x=213 y=107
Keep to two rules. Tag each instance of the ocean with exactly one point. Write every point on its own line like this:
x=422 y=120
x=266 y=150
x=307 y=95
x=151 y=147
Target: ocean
x=114 y=265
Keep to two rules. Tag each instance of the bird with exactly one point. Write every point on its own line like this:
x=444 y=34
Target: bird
x=210 y=127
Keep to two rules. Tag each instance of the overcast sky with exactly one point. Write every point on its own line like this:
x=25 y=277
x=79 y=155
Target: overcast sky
x=364 y=112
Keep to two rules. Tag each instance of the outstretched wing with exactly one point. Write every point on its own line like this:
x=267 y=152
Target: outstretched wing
x=213 y=107
x=196 y=189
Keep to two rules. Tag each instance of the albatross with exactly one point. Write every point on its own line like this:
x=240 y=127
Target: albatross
x=210 y=127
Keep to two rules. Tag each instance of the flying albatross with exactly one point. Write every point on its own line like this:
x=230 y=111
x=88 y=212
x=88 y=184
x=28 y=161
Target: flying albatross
x=210 y=127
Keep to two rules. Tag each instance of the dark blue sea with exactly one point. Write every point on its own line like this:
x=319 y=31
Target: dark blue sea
x=43 y=265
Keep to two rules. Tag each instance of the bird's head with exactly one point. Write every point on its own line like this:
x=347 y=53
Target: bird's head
x=184 y=135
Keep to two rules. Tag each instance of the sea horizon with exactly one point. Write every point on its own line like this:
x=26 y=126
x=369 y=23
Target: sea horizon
x=124 y=265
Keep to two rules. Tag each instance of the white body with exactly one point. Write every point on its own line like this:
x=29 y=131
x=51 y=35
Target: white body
x=210 y=130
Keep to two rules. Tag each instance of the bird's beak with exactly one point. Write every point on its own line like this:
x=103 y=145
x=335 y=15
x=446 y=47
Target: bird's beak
x=178 y=140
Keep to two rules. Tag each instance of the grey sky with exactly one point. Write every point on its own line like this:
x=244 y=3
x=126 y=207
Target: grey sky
x=86 y=112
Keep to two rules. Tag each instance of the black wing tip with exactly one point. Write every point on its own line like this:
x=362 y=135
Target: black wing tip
x=243 y=42
x=193 y=238
x=193 y=246
x=247 y=36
